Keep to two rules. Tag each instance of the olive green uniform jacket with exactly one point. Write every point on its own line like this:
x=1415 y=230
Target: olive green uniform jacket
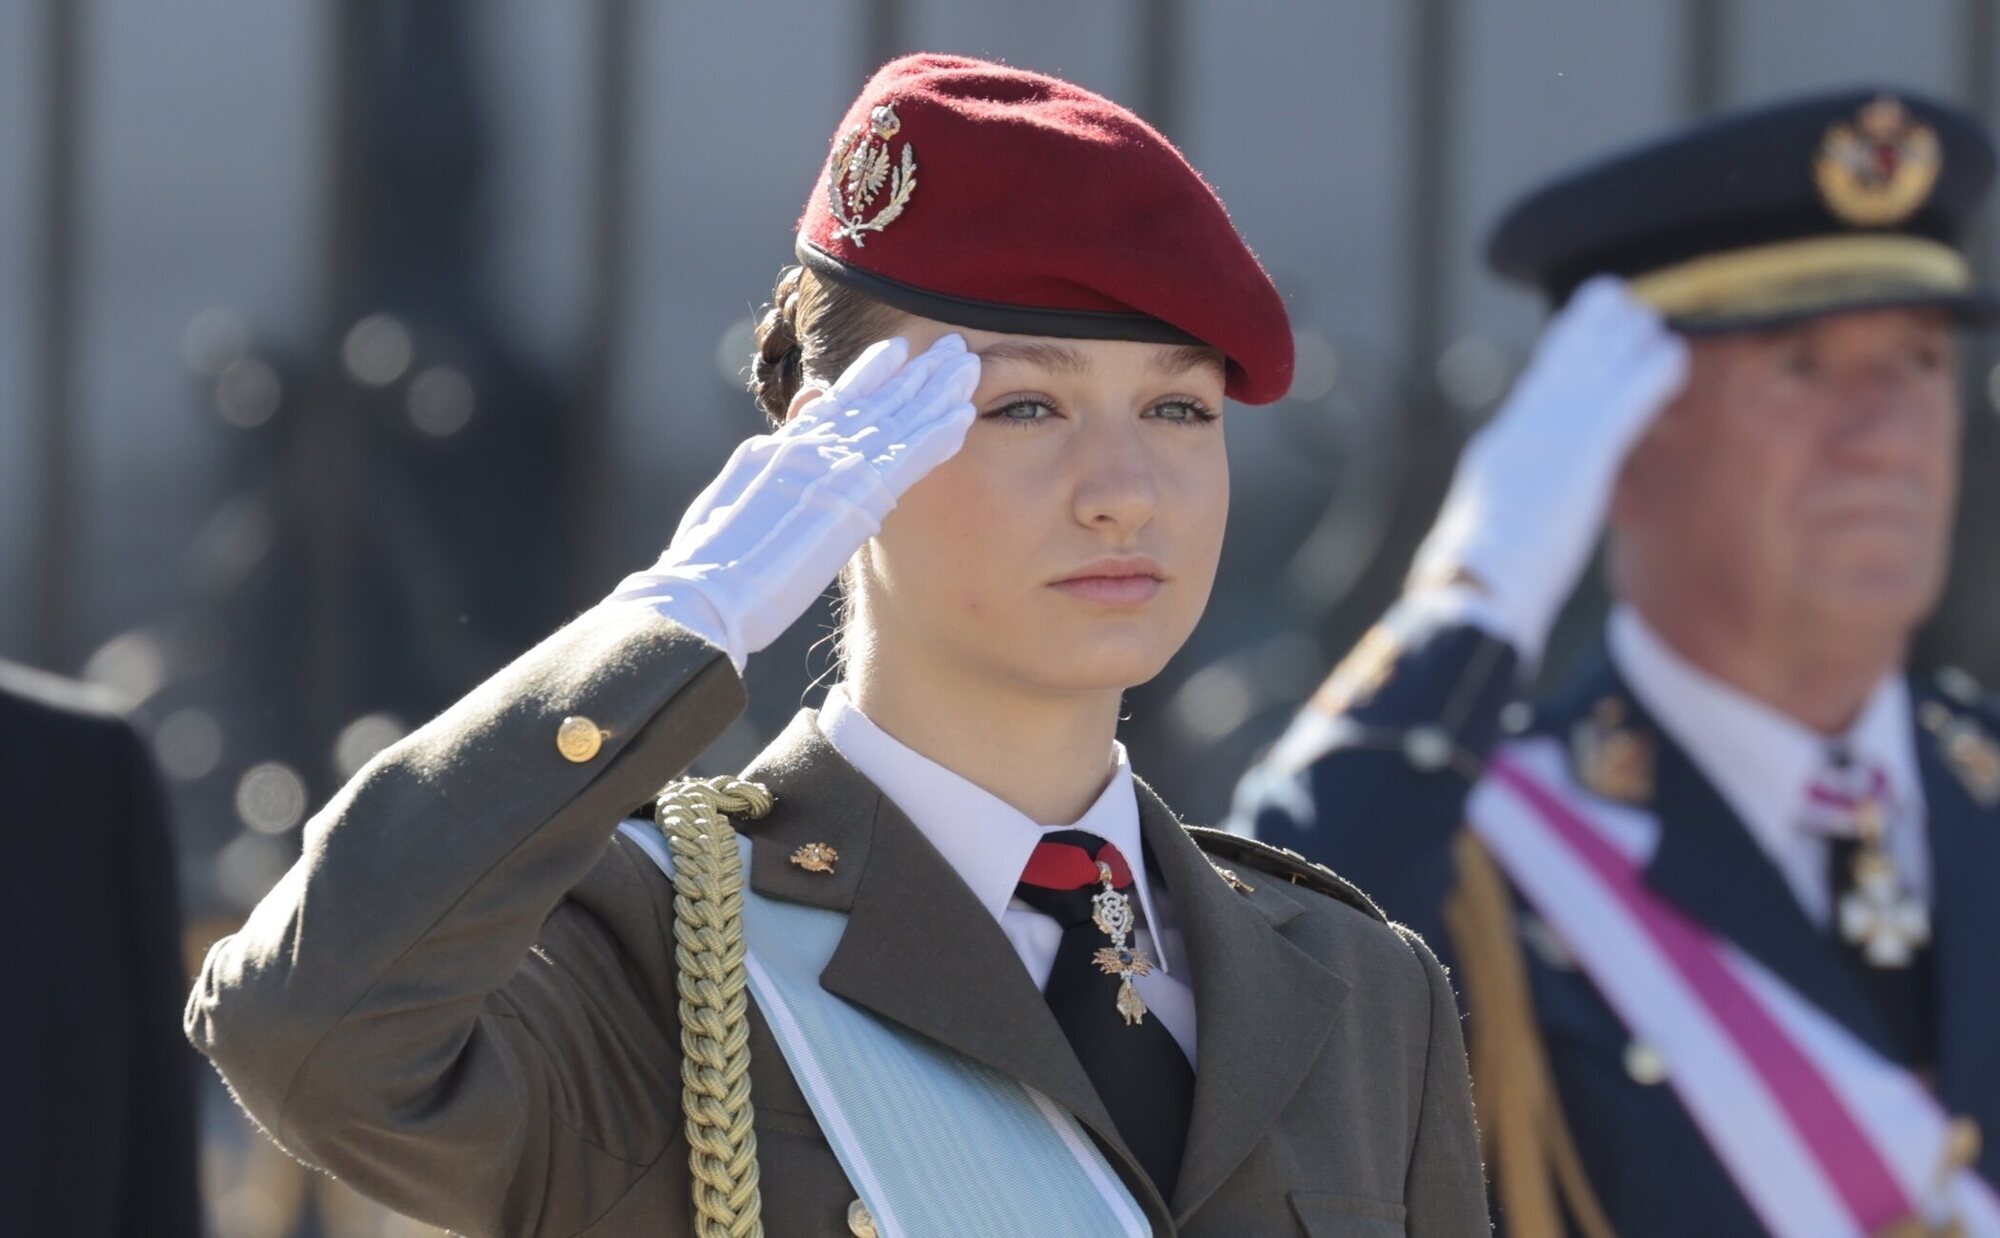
x=462 y=1001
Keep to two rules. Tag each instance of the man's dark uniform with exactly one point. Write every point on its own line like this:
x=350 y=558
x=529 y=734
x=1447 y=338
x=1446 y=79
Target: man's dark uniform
x=97 y=1133
x=1375 y=778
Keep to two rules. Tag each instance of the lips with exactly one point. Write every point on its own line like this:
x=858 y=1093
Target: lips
x=1114 y=582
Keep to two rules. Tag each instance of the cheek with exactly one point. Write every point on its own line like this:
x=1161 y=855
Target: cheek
x=1200 y=507
x=955 y=533
x=1945 y=428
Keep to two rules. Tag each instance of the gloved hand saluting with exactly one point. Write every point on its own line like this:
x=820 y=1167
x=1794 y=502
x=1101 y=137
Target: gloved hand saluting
x=788 y=510
x=1533 y=487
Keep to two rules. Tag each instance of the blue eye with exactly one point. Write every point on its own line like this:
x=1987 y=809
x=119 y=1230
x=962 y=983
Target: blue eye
x=1023 y=412
x=1184 y=412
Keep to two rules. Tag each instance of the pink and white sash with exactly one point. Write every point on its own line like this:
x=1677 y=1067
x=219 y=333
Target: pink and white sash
x=1824 y=1136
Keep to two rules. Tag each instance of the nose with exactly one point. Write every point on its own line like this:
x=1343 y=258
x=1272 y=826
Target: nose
x=1116 y=484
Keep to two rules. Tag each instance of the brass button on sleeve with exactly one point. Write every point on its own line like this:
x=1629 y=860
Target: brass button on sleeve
x=579 y=739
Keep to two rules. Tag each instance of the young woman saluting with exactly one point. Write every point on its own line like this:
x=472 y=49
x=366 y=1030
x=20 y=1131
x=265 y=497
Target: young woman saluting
x=961 y=973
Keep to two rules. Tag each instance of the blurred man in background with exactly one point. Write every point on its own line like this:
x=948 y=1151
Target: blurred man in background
x=1723 y=912
x=97 y=1128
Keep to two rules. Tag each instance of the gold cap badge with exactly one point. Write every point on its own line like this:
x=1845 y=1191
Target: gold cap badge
x=1878 y=170
x=861 y=169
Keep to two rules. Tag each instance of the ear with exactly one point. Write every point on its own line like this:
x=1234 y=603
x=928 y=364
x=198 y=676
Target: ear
x=807 y=393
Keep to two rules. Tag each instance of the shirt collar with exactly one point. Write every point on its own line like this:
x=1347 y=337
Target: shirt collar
x=1759 y=759
x=986 y=841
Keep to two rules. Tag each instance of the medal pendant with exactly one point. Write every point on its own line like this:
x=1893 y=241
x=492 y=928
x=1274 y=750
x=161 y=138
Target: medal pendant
x=1130 y=1004
x=1880 y=915
x=1111 y=911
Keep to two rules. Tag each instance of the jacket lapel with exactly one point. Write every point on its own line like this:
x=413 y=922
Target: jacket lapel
x=1263 y=1007
x=1965 y=864
x=919 y=948
x=1710 y=866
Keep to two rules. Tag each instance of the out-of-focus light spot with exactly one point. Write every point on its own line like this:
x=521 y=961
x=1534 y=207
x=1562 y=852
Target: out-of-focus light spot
x=248 y=393
x=362 y=738
x=271 y=797
x=1214 y=701
x=214 y=340
x=440 y=401
x=377 y=350
x=132 y=664
x=735 y=350
x=237 y=538
x=1473 y=374
x=1315 y=368
x=188 y=744
x=249 y=866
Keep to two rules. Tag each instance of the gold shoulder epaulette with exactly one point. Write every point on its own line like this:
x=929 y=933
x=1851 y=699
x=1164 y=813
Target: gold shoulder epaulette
x=1282 y=863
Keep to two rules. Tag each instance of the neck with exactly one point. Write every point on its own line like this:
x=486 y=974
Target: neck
x=1046 y=754
x=1820 y=676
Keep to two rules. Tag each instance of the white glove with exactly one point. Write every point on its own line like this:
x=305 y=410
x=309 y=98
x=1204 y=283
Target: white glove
x=1534 y=485
x=775 y=527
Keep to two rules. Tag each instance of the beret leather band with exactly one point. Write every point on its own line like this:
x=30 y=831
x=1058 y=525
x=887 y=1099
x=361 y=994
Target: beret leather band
x=1070 y=324
x=1799 y=277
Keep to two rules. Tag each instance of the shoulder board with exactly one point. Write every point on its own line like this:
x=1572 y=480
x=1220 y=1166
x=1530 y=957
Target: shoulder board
x=1280 y=862
x=1965 y=693
x=1961 y=721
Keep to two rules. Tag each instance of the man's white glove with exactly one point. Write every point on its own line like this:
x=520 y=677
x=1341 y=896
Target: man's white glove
x=775 y=527
x=1534 y=485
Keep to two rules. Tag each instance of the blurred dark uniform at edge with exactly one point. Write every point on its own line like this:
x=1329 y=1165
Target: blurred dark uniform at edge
x=1375 y=776
x=97 y=1129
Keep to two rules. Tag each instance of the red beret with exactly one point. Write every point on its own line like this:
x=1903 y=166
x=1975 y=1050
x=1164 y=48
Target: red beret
x=1002 y=200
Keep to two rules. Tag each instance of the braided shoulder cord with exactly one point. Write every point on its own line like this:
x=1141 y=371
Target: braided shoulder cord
x=714 y=1007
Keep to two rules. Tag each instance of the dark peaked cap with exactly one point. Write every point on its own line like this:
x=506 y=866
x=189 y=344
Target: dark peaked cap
x=1854 y=199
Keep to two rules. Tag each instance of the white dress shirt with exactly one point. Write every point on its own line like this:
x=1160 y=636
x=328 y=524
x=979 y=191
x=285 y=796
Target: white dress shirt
x=1762 y=761
x=987 y=843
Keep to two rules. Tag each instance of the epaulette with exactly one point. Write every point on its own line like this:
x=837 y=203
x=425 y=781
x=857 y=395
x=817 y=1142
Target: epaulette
x=1958 y=686
x=1964 y=733
x=1280 y=862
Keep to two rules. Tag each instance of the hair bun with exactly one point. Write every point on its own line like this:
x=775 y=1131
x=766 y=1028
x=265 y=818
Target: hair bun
x=778 y=367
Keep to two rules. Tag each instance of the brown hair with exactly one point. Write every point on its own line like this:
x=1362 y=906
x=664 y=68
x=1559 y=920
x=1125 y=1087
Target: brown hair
x=812 y=327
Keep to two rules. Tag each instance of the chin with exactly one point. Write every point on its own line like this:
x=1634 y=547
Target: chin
x=1879 y=578
x=1098 y=666
x=1895 y=597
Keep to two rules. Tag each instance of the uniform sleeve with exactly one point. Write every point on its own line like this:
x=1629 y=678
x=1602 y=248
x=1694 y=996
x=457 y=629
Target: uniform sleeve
x=1445 y=1191
x=416 y=1007
x=1372 y=777
x=158 y=1189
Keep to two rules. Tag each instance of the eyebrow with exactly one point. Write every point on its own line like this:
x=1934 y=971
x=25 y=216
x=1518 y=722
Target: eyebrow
x=1058 y=357
x=1064 y=359
x=1187 y=357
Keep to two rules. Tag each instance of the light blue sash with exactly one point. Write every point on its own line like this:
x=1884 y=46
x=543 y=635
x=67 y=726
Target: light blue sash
x=933 y=1142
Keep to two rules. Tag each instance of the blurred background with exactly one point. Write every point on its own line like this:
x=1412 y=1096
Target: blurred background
x=348 y=346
